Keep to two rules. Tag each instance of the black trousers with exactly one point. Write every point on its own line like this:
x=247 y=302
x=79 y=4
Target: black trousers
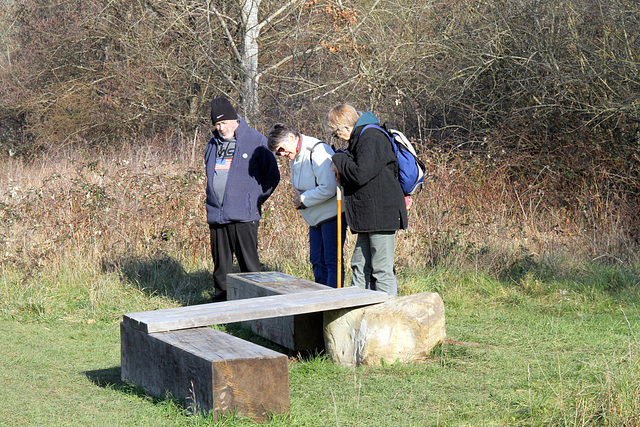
x=239 y=238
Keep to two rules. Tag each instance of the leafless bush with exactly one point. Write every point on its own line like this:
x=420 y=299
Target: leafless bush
x=542 y=70
x=95 y=73
x=139 y=211
x=552 y=69
x=543 y=93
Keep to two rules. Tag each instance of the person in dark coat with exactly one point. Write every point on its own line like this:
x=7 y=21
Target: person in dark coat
x=374 y=201
x=241 y=174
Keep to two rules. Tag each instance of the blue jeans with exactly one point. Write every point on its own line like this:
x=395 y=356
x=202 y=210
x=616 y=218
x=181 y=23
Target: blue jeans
x=372 y=262
x=323 y=252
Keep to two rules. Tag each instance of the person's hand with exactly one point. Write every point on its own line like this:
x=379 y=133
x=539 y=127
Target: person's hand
x=333 y=168
x=297 y=199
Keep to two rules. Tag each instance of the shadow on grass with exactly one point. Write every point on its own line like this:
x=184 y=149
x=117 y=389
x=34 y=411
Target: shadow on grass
x=162 y=275
x=111 y=378
x=108 y=378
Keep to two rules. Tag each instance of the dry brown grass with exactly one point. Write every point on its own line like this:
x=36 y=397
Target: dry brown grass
x=99 y=212
x=99 y=206
x=476 y=213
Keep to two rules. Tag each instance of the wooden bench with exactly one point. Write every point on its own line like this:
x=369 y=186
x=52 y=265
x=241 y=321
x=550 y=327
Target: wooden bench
x=218 y=313
x=208 y=369
x=173 y=350
x=300 y=333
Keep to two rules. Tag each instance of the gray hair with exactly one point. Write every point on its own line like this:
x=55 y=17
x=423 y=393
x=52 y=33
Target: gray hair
x=278 y=134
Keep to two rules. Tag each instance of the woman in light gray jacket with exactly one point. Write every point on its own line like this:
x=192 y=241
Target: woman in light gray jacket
x=315 y=197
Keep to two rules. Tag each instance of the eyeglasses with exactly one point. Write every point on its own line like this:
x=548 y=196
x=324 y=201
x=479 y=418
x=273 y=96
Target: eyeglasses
x=336 y=131
x=280 y=150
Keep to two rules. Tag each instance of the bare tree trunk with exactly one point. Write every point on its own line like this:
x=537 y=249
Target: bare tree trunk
x=249 y=59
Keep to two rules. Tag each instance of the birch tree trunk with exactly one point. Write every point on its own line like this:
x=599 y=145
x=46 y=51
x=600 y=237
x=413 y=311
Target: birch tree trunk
x=249 y=59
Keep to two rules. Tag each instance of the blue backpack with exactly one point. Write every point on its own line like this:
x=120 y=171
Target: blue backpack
x=410 y=168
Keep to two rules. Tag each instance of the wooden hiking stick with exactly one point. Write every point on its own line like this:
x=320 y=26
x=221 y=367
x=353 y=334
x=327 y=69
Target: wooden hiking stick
x=339 y=199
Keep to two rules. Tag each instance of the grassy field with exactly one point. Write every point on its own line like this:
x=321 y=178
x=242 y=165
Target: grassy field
x=545 y=353
x=542 y=316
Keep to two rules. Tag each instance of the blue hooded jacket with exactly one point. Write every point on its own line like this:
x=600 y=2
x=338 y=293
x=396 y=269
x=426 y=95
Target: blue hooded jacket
x=252 y=178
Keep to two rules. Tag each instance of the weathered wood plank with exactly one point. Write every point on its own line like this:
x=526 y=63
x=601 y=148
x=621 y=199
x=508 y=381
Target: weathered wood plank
x=207 y=368
x=298 y=333
x=252 y=285
x=253 y=308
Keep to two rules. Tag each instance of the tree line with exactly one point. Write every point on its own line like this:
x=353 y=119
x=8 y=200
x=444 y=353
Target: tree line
x=524 y=74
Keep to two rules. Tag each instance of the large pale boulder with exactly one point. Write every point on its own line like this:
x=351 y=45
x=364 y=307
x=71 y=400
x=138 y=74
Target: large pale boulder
x=403 y=329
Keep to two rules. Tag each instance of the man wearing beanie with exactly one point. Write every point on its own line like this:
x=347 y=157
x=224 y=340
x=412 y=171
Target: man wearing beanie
x=241 y=174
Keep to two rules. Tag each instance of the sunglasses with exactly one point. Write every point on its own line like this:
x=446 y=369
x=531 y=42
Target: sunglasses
x=280 y=150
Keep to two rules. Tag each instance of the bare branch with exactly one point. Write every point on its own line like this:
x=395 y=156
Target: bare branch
x=286 y=7
x=230 y=39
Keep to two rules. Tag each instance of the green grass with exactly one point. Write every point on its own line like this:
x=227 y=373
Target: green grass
x=527 y=349
x=67 y=373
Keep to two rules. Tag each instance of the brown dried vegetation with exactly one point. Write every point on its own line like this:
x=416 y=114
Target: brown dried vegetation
x=102 y=213
x=525 y=112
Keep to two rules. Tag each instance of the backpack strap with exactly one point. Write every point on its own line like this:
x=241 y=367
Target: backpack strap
x=313 y=148
x=369 y=126
x=311 y=157
x=383 y=130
